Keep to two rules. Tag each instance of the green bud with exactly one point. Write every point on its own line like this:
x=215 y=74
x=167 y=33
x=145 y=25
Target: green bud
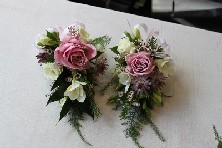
x=136 y=33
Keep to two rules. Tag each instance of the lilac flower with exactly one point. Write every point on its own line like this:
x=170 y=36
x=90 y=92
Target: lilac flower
x=141 y=84
x=100 y=66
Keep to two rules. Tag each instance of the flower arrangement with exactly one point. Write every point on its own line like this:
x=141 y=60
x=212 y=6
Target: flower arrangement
x=142 y=67
x=73 y=60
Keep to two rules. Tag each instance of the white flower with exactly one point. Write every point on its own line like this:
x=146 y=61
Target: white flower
x=166 y=66
x=75 y=91
x=84 y=35
x=125 y=46
x=52 y=70
x=124 y=78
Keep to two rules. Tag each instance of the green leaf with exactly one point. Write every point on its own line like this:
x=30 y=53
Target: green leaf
x=49 y=59
x=128 y=36
x=114 y=49
x=219 y=144
x=103 y=41
x=53 y=36
x=65 y=109
x=120 y=87
x=86 y=107
x=77 y=115
x=157 y=98
x=113 y=99
x=61 y=79
x=40 y=44
x=144 y=104
x=58 y=93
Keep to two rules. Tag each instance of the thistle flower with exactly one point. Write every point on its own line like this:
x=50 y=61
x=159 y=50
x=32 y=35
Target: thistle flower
x=141 y=84
x=100 y=66
x=42 y=57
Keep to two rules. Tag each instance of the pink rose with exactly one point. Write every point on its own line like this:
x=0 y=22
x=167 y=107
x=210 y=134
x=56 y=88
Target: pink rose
x=73 y=54
x=139 y=63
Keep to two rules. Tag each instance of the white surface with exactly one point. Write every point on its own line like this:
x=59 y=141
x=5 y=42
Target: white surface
x=184 y=5
x=25 y=121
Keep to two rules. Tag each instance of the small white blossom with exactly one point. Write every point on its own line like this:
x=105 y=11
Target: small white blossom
x=166 y=66
x=84 y=35
x=76 y=91
x=52 y=70
x=125 y=46
x=124 y=78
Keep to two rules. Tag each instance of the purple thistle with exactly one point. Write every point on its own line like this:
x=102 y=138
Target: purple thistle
x=100 y=66
x=141 y=84
x=42 y=57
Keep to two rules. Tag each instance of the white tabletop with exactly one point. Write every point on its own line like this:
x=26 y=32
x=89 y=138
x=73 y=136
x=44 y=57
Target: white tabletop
x=25 y=121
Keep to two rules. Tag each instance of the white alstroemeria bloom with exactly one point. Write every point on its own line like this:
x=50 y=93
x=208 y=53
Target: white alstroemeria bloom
x=76 y=91
x=125 y=46
x=52 y=70
x=166 y=66
x=84 y=35
x=124 y=78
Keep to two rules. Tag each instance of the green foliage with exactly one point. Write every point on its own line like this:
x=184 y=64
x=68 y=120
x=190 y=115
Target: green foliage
x=58 y=93
x=54 y=36
x=62 y=78
x=127 y=34
x=135 y=118
x=121 y=62
x=102 y=41
x=49 y=59
x=65 y=109
x=120 y=87
x=114 y=49
x=133 y=126
x=217 y=137
x=95 y=110
x=155 y=128
x=157 y=98
x=219 y=144
x=76 y=116
x=153 y=46
x=113 y=99
x=89 y=105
